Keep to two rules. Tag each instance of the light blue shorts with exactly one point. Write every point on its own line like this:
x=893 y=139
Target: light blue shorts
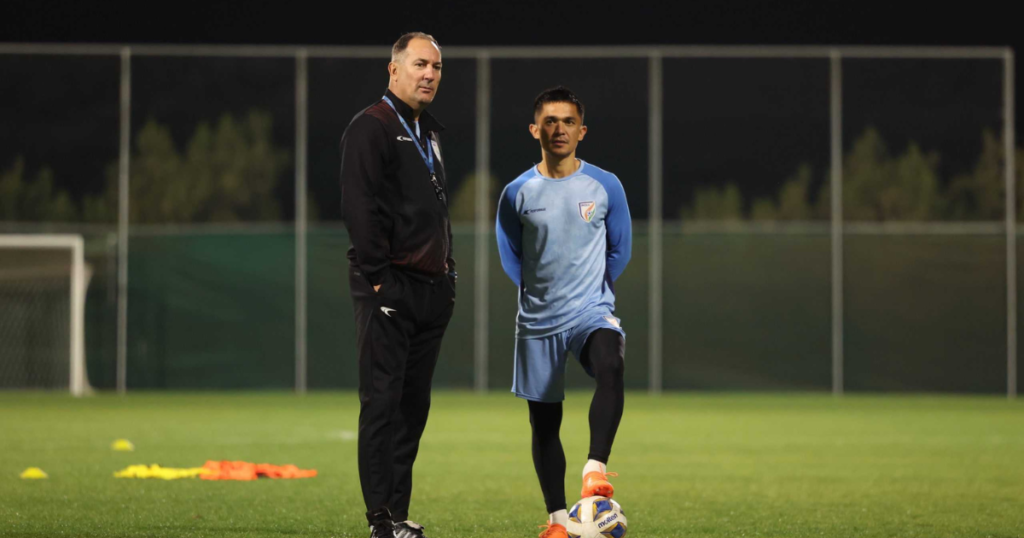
x=539 y=373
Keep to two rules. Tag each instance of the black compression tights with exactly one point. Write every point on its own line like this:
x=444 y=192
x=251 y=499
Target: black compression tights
x=603 y=354
x=548 y=456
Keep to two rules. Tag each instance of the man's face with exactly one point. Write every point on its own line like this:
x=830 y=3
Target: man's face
x=416 y=74
x=559 y=128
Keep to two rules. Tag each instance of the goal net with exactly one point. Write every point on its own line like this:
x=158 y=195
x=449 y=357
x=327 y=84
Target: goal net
x=43 y=279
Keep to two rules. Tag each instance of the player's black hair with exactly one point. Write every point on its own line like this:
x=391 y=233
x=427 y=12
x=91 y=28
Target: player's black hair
x=558 y=94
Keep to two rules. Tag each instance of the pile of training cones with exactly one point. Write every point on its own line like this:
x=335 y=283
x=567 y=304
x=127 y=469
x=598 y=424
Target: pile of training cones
x=217 y=470
x=243 y=470
x=212 y=470
x=156 y=471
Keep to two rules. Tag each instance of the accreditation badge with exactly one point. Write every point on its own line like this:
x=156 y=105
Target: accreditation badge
x=437 y=149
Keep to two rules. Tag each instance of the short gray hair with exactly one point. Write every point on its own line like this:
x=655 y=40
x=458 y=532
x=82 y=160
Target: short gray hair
x=403 y=43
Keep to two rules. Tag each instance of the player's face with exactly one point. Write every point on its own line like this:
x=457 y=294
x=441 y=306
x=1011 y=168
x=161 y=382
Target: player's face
x=417 y=73
x=559 y=128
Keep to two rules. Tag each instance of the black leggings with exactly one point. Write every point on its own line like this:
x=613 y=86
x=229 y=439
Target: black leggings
x=603 y=354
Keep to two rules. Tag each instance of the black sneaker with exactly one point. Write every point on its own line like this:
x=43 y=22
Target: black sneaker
x=409 y=529
x=381 y=525
x=382 y=530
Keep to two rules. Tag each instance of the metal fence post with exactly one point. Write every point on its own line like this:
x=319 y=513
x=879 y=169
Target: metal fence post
x=1011 y=225
x=122 y=220
x=481 y=268
x=836 y=113
x=301 y=128
x=654 y=156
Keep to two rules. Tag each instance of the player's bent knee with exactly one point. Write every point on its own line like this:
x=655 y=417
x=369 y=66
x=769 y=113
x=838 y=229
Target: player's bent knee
x=607 y=352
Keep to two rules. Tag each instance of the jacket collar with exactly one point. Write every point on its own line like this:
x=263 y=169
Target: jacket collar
x=427 y=121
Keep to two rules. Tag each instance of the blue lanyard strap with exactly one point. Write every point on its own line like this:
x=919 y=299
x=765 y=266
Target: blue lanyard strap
x=428 y=155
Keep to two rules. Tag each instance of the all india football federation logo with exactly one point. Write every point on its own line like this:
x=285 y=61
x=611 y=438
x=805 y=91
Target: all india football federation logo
x=587 y=210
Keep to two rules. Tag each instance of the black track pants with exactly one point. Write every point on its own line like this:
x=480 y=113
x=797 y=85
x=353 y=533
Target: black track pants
x=398 y=334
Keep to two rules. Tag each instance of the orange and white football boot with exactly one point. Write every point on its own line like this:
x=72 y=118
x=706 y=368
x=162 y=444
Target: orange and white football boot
x=553 y=530
x=596 y=483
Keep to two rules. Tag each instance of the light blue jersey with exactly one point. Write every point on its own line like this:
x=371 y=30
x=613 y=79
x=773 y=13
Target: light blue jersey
x=563 y=242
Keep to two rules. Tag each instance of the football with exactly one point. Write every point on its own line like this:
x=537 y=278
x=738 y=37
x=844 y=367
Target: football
x=596 y=517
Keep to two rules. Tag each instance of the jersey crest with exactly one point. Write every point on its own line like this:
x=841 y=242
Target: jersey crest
x=587 y=210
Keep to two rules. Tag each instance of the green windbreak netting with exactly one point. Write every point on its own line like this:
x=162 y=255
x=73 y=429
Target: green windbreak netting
x=741 y=311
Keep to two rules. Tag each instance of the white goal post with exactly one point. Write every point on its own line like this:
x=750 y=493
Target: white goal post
x=25 y=261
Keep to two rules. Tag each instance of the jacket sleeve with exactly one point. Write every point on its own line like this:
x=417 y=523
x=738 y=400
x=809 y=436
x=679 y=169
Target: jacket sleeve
x=509 y=230
x=451 y=250
x=364 y=149
x=619 y=229
x=450 y=260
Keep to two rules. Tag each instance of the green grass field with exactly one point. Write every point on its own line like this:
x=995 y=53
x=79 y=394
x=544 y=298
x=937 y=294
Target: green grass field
x=690 y=465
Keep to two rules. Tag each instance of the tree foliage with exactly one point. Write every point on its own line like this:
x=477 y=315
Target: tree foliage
x=230 y=171
x=877 y=186
x=227 y=173
x=716 y=204
x=35 y=200
x=981 y=194
x=794 y=199
x=463 y=203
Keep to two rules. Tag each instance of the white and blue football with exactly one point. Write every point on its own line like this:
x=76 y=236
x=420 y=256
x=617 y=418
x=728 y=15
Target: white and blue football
x=596 y=517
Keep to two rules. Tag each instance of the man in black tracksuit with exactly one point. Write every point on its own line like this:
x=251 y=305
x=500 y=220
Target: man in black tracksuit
x=402 y=275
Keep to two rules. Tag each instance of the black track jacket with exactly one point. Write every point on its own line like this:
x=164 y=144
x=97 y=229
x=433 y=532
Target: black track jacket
x=391 y=210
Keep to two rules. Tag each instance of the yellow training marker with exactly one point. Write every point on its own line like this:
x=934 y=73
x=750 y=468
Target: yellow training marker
x=156 y=471
x=123 y=445
x=33 y=473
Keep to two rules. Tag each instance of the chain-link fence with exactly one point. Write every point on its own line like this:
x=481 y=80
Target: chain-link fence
x=806 y=218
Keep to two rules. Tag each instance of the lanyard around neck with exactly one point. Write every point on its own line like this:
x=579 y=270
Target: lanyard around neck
x=428 y=155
